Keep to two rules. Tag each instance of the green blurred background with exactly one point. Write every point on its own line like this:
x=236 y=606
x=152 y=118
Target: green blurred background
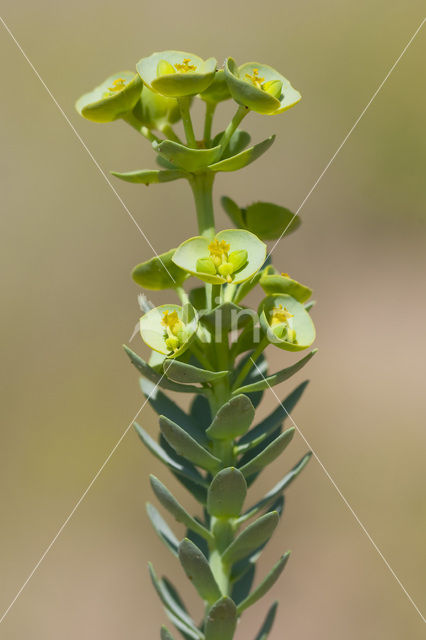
x=67 y=247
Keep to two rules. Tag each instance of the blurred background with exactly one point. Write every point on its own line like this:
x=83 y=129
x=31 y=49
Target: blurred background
x=68 y=303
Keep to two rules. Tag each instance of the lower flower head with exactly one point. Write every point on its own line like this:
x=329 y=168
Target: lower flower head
x=169 y=328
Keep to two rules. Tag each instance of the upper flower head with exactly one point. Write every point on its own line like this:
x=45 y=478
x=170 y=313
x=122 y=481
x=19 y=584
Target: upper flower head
x=112 y=99
x=233 y=256
x=260 y=87
x=176 y=73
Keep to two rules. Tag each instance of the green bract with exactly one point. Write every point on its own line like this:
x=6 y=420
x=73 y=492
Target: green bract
x=218 y=91
x=176 y=73
x=159 y=273
x=155 y=111
x=259 y=87
x=273 y=282
x=115 y=97
x=286 y=322
x=268 y=221
x=169 y=328
x=233 y=256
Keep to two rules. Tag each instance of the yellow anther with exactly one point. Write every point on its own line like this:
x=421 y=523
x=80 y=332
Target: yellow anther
x=117 y=85
x=219 y=248
x=255 y=79
x=170 y=320
x=184 y=66
x=286 y=275
x=280 y=315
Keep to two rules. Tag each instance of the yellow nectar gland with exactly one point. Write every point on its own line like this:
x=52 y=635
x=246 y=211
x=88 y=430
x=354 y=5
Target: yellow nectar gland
x=184 y=66
x=255 y=79
x=280 y=315
x=117 y=85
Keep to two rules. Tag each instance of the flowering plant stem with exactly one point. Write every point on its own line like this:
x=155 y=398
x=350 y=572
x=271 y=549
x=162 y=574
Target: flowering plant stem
x=211 y=344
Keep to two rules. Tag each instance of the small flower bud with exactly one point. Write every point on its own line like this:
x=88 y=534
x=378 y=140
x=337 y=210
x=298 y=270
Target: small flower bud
x=273 y=87
x=238 y=258
x=164 y=68
x=205 y=265
x=226 y=269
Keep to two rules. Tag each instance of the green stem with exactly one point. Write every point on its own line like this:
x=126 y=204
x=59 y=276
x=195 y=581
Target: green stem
x=183 y=296
x=184 y=104
x=198 y=353
x=210 y=110
x=202 y=188
x=169 y=132
x=136 y=124
x=232 y=126
x=250 y=362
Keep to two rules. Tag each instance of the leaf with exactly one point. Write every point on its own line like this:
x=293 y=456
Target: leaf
x=182 y=469
x=268 y=455
x=265 y=585
x=279 y=487
x=232 y=420
x=158 y=380
x=243 y=584
x=165 y=634
x=266 y=627
x=149 y=176
x=276 y=378
x=275 y=419
x=187 y=632
x=170 y=602
x=226 y=494
x=174 y=507
x=160 y=272
x=200 y=412
x=162 y=529
x=186 y=373
x=239 y=140
x=198 y=570
x=186 y=158
x=163 y=405
x=255 y=535
x=187 y=447
x=221 y=620
x=243 y=158
x=276 y=283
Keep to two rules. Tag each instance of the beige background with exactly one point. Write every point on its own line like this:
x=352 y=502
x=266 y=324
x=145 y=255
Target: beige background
x=67 y=247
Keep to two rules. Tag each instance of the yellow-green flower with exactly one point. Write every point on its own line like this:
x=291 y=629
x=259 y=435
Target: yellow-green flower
x=169 y=328
x=286 y=322
x=234 y=255
x=260 y=87
x=112 y=99
x=176 y=73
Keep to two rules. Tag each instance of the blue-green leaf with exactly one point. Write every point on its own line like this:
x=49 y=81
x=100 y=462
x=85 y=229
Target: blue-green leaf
x=279 y=487
x=243 y=584
x=226 y=494
x=186 y=446
x=158 y=380
x=162 y=529
x=165 y=634
x=265 y=585
x=266 y=627
x=268 y=455
x=173 y=506
x=276 y=378
x=239 y=140
x=187 y=373
x=232 y=420
x=170 y=602
x=221 y=620
x=255 y=535
x=197 y=568
x=182 y=469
